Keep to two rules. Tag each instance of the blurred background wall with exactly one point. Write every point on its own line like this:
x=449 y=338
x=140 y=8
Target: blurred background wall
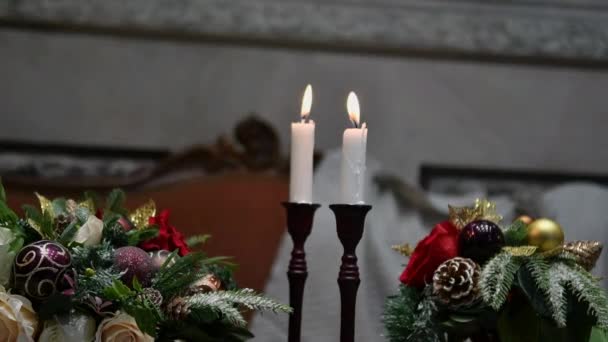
x=128 y=92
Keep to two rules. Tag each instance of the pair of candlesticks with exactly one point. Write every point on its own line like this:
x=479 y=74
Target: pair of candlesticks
x=350 y=221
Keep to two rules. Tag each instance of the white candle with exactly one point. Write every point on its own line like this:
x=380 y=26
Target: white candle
x=354 y=144
x=302 y=147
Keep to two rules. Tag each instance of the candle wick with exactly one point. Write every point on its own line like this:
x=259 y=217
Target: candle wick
x=355 y=123
x=306 y=118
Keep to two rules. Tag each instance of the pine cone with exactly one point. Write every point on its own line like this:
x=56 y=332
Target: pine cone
x=177 y=309
x=586 y=252
x=455 y=282
x=208 y=283
x=152 y=295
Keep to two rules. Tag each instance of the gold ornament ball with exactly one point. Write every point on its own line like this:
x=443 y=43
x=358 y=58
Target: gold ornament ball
x=546 y=234
x=525 y=219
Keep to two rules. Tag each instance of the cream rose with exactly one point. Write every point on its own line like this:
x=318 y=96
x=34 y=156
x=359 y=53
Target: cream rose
x=6 y=255
x=90 y=232
x=119 y=328
x=18 y=320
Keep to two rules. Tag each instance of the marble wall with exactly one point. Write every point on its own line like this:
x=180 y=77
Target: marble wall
x=106 y=90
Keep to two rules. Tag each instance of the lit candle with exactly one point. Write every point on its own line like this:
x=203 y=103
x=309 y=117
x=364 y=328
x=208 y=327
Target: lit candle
x=354 y=144
x=302 y=147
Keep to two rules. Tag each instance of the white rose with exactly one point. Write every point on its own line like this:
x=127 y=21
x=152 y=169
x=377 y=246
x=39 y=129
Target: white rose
x=72 y=328
x=119 y=328
x=6 y=255
x=18 y=320
x=90 y=232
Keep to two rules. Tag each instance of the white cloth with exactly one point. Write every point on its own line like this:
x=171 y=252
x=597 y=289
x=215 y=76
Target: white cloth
x=379 y=266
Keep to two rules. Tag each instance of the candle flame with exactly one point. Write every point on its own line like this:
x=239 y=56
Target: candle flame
x=352 y=105
x=306 y=102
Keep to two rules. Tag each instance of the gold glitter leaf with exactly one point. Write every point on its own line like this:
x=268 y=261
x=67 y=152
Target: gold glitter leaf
x=520 y=250
x=586 y=252
x=482 y=210
x=552 y=252
x=45 y=204
x=88 y=203
x=406 y=250
x=141 y=215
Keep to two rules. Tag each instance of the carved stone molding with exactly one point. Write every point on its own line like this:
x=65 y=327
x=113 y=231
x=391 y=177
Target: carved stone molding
x=553 y=30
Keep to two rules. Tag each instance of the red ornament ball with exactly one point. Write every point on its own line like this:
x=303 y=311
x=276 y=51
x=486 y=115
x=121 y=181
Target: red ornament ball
x=40 y=268
x=135 y=262
x=480 y=240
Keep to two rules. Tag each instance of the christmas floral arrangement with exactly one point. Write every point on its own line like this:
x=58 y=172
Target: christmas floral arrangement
x=91 y=271
x=470 y=278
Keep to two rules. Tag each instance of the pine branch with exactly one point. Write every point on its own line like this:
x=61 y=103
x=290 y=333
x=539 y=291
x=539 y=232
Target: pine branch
x=197 y=240
x=552 y=285
x=497 y=278
x=211 y=301
x=587 y=289
x=400 y=313
x=424 y=327
x=245 y=297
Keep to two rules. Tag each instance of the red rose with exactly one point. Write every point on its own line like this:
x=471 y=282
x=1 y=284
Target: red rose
x=440 y=245
x=168 y=238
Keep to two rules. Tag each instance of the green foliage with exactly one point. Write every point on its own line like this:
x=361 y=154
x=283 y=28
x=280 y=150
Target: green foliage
x=551 y=287
x=93 y=197
x=68 y=233
x=118 y=291
x=136 y=236
x=400 y=313
x=225 y=303
x=598 y=335
x=197 y=240
x=96 y=257
x=425 y=328
x=587 y=289
x=115 y=202
x=8 y=218
x=223 y=272
x=497 y=277
x=58 y=206
x=94 y=282
x=516 y=234
x=146 y=314
x=2 y=192
x=42 y=222
x=171 y=281
x=113 y=232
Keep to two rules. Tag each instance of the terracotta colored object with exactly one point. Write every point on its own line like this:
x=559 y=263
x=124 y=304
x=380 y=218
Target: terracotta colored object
x=242 y=212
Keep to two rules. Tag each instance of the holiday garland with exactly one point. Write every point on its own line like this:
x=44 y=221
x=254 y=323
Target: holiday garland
x=84 y=271
x=470 y=278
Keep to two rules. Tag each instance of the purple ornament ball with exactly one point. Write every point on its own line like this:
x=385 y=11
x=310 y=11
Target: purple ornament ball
x=135 y=262
x=480 y=240
x=39 y=269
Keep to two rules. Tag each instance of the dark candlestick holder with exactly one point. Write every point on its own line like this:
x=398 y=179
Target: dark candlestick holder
x=350 y=220
x=299 y=226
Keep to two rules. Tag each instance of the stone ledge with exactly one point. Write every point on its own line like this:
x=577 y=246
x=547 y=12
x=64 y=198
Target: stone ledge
x=460 y=28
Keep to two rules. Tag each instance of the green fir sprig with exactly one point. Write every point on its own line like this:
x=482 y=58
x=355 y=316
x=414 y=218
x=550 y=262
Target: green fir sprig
x=226 y=303
x=497 y=277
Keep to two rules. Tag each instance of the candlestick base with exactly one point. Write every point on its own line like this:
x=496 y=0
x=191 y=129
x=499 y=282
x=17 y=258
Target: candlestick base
x=350 y=221
x=299 y=225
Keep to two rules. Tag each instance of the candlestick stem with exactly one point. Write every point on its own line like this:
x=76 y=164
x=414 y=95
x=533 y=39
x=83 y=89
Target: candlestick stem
x=299 y=225
x=350 y=221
